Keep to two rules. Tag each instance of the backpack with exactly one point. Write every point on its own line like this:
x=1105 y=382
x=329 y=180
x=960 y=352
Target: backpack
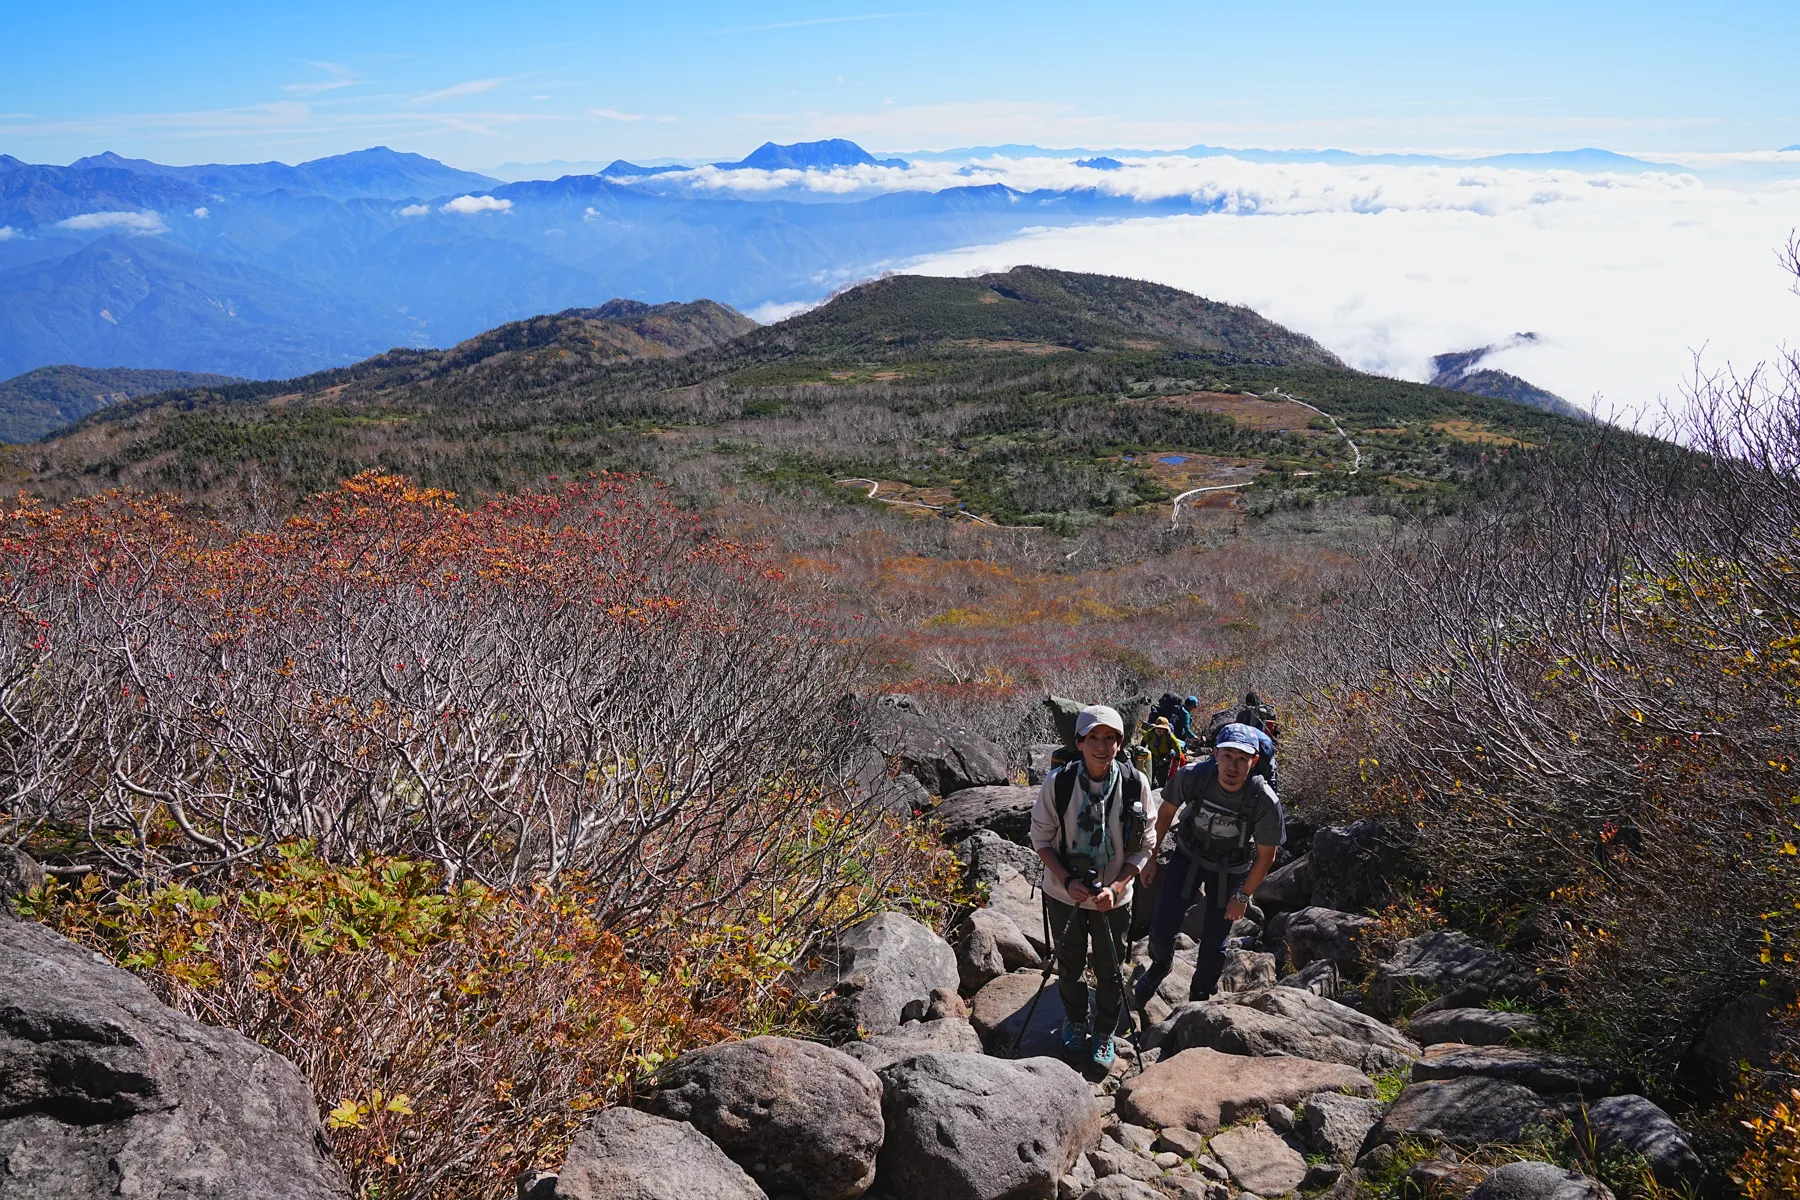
x=1167 y=705
x=1063 y=712
x=1214 y=838
x=1131 y=795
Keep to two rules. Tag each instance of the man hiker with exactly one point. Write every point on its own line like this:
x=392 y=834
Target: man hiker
x=1228 y=825
x=1184 y=720
x=1091 y=827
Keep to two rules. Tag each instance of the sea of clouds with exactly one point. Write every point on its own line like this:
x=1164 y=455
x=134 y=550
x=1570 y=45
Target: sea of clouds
x=1625 y=278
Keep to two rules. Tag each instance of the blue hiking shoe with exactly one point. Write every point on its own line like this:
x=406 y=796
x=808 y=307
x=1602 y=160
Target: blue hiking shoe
x=1075 y=1040
x=1104 y=1053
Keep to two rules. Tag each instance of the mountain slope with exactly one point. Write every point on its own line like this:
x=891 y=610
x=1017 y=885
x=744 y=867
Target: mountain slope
x=1054 y=308
x=1031 y=397
x=1462 y=371
x=48 y=398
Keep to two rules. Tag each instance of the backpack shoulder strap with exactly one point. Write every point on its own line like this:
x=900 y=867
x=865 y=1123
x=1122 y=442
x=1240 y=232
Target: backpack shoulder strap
x=1062 y=782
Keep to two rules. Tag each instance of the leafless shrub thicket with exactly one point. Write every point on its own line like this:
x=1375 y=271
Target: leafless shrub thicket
x=1583 y=704
x=573 y=681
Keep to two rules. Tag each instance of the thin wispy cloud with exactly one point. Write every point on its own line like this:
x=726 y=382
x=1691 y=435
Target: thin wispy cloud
x=469 y=87
x=613 y=114
x=899 y=16
x=339 y=76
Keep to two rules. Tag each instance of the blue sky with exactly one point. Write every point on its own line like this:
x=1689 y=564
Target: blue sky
x=481 y=84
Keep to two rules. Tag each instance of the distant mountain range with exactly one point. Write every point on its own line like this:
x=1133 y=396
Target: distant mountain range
x=272 y=271
x=48 y=398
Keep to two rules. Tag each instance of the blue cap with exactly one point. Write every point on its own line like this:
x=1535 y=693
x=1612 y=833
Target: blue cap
x=1191 y=700
x=1239 y=737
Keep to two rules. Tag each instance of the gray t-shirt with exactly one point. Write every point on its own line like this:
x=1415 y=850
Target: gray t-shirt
x=1256 y=801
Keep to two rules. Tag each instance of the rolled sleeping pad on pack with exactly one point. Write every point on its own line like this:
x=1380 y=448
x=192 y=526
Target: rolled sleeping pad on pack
x=1063 y=712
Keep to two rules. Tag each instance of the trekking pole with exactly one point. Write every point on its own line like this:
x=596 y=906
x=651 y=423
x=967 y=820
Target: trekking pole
x=1049 y=970
x=1127 y=995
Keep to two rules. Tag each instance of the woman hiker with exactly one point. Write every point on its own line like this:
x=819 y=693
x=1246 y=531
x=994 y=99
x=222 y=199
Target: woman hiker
x=1228 y=825
x=1090 y=825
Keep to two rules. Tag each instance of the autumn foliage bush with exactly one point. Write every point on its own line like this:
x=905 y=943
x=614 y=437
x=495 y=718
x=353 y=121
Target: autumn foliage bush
x=477 y=814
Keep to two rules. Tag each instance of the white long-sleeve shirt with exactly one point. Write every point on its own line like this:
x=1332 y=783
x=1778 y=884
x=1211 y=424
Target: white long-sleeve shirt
x=1044 y=830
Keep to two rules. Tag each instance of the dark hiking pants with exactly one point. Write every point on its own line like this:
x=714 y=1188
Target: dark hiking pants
x=1107 y=936
x=1174 y=897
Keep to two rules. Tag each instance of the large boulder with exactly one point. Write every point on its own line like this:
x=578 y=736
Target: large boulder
x=1635 y=1124
x=1442 y=961
x=1287 y=887
x=899 y=793
x=1539 y=1181
x=866 y=976
x=1000 y=808
x=1258 y=1159
x=1352 y=865
x=943 y=756
x=969 y=1127
x=1475 y=1027
x=1469 y=1111
x=623 y=1154
x=1325 y=935
x=950 y=1035
x=985 y=854
x=1202 y=1089
x=106 y=1091
x=1539 y=1070
x=1000 y=1011
x=1337 y=1126
x=1246 y=971
x=1741 y=1035
x=1015 y=897
x=800 y=1118
x=990 y=945
x=1292 y=1022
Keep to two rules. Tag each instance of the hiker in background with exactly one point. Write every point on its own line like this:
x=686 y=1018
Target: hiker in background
x=1228 y=824
x=1091 y=827
x=1183 y=725
x=1165 y=750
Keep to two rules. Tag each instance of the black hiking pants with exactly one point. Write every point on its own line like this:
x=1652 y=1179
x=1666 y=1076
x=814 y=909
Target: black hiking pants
x=1173 y=899
x=1107 y=935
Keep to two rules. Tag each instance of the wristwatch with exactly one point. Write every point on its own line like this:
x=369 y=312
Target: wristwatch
x=1240 y=896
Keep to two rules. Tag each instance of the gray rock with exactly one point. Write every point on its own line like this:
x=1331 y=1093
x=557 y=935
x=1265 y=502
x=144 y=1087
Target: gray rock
x=1292 y=1022
x=1177 y=1140
x=19 y=873
x=1280 y=1118
x=1469 y=995
x=1338 y=1126
x=1113 y=1159
x=1351 y=864
x=1437 y=962
x=1440 y=1177
x=1139 y=1139
x=1245 y=971
x=1016 y=898
x=1475 y=1027
x=985 y=853
x=947 y=1036
x=901 y=794
x=1539 y=1181
x=1320 y=978
x=991 y=945
x=1470 y=1111
x=1635 y=1124
x=799 y=1117
x=1000 y=1009
x=1258 y=1159
x=1539 y=1070
x=1037 y=761
x=943 y=756
x=1202 y=1089
x=1120 y=1187
x=1742 y=1034
x=106 y=1091
x=623 y=1154
x=1001 y=808
x=968 y=1127
x=868 y=974
x=1324 y=934
x=1079 y=1179
x=535 y=1185
x=1287 y=887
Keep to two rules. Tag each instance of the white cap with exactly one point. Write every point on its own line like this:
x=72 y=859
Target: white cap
x=1098 y=714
